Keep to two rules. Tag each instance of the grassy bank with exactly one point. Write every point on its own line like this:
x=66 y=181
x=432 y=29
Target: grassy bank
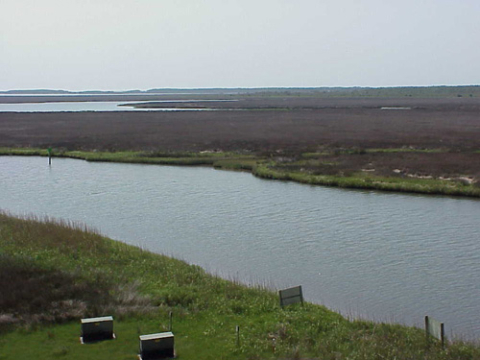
x=368 y=182
x=137 y=157
x=52 y=274
x=339 y=168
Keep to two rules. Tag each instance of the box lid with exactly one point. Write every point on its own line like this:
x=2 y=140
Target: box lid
x=97 y=319
x=156 y=336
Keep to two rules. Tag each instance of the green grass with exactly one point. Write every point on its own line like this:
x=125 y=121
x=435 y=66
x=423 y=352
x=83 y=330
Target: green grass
x=23 y=151
x=236 y=164
x=370 y=182
x=137 y=157
x=141 y=288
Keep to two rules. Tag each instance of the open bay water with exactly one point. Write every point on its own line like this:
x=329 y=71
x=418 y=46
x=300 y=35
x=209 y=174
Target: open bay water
x=92 y=106
x=381 y=256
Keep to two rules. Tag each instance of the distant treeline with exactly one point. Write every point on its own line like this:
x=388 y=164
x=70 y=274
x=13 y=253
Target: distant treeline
x=404 y=91
x=394 y=92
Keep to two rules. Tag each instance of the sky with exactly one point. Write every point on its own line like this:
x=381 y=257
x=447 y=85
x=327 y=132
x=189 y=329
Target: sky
x=144 y=44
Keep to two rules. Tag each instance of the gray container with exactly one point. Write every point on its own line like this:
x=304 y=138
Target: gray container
x=157 y=346
x=97 y=329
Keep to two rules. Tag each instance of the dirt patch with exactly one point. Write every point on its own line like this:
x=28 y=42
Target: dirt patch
x=462 y=167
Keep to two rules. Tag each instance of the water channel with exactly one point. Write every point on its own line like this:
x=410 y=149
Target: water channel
x=382 y=256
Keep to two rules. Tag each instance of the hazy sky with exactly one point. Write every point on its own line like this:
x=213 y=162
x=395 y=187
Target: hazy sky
x=142 y=44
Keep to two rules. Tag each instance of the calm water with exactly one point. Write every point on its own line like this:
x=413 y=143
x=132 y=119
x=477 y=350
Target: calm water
x=383 y=256
x=87 y=106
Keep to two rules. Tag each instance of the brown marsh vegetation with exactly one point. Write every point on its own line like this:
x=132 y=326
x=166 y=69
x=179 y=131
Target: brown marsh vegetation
x=426 y=137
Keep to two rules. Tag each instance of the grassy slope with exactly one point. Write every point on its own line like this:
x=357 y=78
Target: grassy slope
x=143 y=288
x=369 y=182
x=270 y=169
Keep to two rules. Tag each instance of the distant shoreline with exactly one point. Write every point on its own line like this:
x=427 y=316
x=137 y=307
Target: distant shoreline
x=435 y=90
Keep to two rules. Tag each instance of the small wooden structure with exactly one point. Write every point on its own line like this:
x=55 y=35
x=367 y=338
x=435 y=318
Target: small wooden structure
x=157 y=346
x=434 y=328
x=291 y=296
x=97 y=329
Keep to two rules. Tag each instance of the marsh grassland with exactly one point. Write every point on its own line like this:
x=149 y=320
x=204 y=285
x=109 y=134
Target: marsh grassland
x=405 y=139
x=52 y=273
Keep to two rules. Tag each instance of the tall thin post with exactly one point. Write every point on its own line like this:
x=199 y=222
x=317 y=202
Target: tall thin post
x=442 y=335
x=170 y=318
x=237 y=330
x=427 y=331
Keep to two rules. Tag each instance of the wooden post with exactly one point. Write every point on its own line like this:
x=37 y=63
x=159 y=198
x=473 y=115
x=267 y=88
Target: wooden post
x=49 y=151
